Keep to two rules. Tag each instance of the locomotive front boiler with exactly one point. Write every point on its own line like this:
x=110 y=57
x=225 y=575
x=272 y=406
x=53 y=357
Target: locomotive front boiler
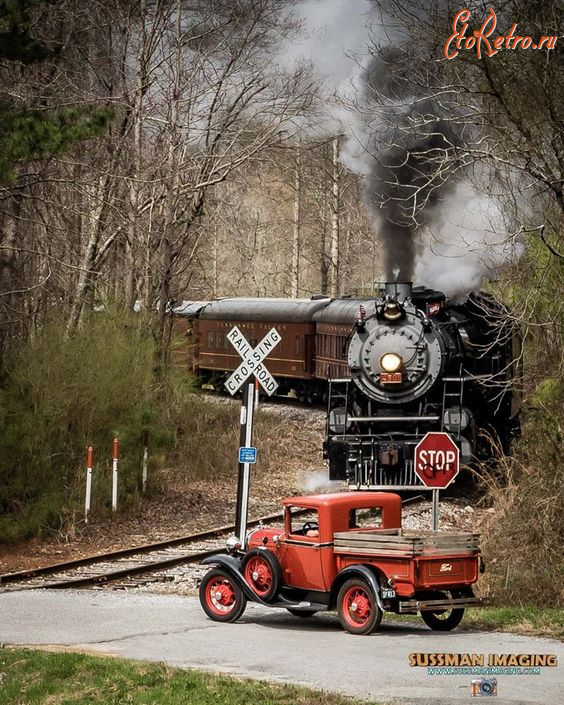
x=396 y=354
x=416 y=364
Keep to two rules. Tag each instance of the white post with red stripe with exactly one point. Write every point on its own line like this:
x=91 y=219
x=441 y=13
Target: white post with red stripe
x=115 y=475
x=89 y=466
x=145 y=461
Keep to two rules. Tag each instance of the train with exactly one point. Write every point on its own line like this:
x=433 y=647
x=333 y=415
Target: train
x=389 y=368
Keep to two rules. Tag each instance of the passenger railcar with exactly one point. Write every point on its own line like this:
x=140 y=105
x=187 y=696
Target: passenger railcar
x=292 y=362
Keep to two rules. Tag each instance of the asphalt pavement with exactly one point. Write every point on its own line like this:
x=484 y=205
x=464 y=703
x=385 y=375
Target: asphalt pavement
x=273 y=645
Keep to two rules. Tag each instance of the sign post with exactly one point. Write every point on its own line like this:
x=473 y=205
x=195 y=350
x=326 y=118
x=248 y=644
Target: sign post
x=250 y=369
x=436 y=465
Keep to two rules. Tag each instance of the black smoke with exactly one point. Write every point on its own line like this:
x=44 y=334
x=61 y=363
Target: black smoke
x=416 y=150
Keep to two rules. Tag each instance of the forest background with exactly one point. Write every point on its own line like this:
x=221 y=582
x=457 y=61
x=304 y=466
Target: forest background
x=158 y=151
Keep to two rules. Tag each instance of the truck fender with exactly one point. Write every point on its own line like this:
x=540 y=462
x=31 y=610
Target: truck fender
x=232 y=565
x=352 y=571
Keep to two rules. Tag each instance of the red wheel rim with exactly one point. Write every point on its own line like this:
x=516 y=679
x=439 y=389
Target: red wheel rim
x=220 y=596
x=259 y=575
x=357 y=606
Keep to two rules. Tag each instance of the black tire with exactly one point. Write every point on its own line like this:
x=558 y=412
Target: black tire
x=263 y=573
x=221 y=597
x=357 y=606
x=301 y=613
x=442 y=620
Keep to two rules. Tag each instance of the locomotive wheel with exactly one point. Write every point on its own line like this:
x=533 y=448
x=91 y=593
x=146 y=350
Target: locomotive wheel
x=358 y=610
x=221 y=597
x=443 y=620
x=263 y=573
x=301 y=613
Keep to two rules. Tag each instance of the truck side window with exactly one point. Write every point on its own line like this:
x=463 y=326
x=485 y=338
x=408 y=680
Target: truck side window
x=365 y=518
x=299 y=521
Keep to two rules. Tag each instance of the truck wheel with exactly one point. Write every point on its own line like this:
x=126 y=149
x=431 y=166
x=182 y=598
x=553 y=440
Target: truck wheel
x=221 y=597
x=263 y=573
x=442 y=620
x=358 y=610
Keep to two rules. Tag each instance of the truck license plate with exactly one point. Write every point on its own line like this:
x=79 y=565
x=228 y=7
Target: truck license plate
x=387 y=593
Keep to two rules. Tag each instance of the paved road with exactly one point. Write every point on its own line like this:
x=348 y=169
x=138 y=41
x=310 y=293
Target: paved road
x=271 y=645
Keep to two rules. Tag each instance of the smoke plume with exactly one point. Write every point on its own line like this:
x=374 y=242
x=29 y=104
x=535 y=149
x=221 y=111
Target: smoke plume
x=407 y=138
x=414 y=165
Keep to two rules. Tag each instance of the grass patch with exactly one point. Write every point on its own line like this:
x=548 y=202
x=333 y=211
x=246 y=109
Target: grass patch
x=39 y=677
x=532 y=621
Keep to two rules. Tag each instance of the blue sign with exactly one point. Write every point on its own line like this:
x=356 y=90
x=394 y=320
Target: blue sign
x=247 y=455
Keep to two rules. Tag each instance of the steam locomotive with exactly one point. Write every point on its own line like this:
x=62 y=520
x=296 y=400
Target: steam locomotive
x=390 y=369
x=418 y=365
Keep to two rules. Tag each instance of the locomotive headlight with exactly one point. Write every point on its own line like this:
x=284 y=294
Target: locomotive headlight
x=391 y=362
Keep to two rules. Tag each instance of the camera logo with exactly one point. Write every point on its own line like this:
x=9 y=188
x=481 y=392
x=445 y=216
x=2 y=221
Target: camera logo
x=483 y=687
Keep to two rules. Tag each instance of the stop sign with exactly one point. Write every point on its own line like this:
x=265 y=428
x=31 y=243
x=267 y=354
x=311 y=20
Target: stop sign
x=436 y=460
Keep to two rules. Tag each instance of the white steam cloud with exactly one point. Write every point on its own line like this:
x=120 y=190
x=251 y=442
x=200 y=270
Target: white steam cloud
x=469 y=244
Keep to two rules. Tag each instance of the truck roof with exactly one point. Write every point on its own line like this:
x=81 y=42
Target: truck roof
x=345 y=499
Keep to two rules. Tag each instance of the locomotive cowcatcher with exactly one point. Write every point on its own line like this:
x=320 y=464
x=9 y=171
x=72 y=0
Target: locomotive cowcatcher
x=346 y=552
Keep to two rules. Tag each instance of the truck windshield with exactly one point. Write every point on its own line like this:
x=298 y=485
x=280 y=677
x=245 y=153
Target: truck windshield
x=365 y=518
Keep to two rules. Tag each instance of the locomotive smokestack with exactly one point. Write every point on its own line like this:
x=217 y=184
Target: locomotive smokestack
x=399 y=292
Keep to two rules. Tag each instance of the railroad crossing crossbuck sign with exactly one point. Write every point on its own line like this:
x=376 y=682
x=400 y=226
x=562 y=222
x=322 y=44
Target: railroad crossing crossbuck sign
x=436 y=460
x=252 y=360
x=251 y=366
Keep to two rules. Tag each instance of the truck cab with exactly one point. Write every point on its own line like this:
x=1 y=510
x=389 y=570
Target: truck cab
x=305 y=547
x=348 y=551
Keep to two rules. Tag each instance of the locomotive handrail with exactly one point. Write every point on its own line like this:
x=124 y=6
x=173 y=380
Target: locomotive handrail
x=392 y=419
x=467 y=378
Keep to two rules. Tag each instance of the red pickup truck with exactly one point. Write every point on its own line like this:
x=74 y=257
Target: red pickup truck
x=346 y=552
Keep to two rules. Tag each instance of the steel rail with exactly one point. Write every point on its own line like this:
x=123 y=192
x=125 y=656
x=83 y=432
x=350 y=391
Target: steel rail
x=112 y=575
x=123 y=552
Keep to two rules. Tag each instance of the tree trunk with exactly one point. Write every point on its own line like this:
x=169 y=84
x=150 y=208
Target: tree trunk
x=95 y=204
x=8 y=239
x=296 y=238
x=171 y=188
x=134 y=182
x=335 y=204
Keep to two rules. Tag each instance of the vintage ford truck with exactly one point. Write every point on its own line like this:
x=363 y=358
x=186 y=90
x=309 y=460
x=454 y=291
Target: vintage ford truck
x=347 y=552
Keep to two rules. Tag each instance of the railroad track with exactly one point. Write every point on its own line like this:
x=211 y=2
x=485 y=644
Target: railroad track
x=125 y=563
x=131 y=567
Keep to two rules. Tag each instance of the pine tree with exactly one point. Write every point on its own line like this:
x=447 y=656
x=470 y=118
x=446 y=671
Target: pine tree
x=28 y=132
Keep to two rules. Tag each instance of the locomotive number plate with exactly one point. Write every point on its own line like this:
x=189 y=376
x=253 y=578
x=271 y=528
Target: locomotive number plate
x=390 y=378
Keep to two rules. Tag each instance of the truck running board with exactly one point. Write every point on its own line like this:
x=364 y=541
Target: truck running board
x=433 y=605
x=303 y=605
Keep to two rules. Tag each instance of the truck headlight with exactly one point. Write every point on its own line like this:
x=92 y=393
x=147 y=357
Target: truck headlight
x=391 y=362
x=233 y=544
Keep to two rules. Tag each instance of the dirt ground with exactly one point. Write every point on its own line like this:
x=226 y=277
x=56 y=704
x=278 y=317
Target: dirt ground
x=195 y=506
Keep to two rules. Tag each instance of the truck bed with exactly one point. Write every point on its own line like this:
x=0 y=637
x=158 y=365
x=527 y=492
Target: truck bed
x=405 y=543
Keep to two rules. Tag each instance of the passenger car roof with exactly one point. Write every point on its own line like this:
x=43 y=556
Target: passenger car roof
x=343 y=310
x=189 y=309
x=275 y=310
